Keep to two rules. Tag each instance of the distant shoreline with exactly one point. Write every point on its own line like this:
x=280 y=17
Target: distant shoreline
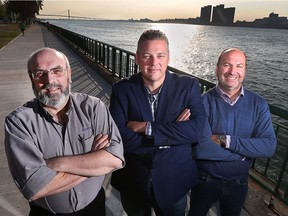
x=189 y=21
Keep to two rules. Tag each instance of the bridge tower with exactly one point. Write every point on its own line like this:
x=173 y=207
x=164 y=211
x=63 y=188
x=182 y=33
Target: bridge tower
x=68 y=14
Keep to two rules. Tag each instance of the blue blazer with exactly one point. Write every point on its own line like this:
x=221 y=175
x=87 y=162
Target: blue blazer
x=171 y=170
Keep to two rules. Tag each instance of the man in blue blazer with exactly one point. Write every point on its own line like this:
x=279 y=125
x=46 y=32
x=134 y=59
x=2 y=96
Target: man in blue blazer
x=160 y=116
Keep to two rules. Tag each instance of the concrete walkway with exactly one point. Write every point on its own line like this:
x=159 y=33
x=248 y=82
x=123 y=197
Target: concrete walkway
x=15 y=88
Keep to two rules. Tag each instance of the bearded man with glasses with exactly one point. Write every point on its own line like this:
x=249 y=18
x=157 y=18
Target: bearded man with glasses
x=61 y=145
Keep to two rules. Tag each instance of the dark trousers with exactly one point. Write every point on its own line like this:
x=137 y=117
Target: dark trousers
x=95 y=208
x=133 y=207
x=231 y=196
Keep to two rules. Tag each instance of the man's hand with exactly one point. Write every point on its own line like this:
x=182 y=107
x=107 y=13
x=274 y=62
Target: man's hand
x=215 y=139
x=101 y=141
x=184 y=116
x=138 y=127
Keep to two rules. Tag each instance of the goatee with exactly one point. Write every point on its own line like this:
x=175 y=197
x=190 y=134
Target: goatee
x=54 y=100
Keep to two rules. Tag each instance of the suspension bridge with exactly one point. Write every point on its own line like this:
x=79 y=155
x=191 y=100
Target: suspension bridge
x=67 y=14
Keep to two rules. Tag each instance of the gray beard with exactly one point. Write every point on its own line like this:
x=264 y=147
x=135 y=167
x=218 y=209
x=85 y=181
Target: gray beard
x=54 y=100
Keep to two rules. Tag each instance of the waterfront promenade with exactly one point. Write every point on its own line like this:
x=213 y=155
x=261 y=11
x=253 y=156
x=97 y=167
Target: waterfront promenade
x=16 y=89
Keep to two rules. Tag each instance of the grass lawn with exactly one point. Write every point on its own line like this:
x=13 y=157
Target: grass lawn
x=7 y=33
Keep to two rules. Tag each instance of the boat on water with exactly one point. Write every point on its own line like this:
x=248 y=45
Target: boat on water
x=114 y=63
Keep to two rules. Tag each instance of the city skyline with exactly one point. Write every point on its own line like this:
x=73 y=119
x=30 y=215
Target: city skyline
x=131 y=9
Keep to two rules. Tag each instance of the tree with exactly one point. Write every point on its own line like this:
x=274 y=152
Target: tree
x=25 y=9
x=2 y=10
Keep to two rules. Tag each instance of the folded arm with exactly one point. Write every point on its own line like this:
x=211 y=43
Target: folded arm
x=60 y=183
x=72 y=170
x=140 y=127
x=95 y=163
x=209 y=149
x=177 y=126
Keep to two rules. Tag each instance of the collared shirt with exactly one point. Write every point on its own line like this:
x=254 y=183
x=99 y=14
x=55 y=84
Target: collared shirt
x=227 y=99
x=153 y=101
x=31 y=136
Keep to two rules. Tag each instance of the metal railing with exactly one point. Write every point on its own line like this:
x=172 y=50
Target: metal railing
x=270 y=173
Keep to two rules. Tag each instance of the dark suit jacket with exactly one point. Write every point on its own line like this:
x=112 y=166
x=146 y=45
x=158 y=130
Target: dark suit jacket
x=171 y=171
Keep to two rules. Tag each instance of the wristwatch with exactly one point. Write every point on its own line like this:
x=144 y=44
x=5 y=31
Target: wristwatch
x=223 y=140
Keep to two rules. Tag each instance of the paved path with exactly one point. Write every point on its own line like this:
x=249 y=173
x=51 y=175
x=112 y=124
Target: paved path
x=15 y=88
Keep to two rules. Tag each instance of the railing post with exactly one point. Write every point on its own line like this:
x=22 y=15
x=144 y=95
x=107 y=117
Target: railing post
x=113 y=61
x=121 y=65
x=97 y=52
x=127 y=65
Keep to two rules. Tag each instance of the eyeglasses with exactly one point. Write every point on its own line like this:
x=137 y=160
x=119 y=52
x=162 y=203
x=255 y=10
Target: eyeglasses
x=56 y=72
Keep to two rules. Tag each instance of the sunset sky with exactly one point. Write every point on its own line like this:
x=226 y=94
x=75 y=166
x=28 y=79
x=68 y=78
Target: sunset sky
x=160 y=9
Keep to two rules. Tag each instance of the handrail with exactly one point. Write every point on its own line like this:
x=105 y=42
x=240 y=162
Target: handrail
x=118 y=63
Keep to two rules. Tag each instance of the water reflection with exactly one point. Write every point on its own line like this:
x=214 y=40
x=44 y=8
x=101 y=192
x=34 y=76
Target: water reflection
x=195 y=49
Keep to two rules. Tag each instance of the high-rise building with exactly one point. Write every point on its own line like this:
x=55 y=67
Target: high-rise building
x=223 y=16
x=205 y=16
x=229 y=14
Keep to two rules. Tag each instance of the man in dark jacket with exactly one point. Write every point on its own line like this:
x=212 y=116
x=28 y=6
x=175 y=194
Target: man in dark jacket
x=159 y=115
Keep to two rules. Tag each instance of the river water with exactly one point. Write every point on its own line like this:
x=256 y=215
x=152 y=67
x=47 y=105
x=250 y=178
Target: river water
x=195 y=49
